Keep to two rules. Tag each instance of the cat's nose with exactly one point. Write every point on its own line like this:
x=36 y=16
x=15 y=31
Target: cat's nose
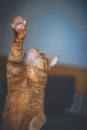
x=32 y=50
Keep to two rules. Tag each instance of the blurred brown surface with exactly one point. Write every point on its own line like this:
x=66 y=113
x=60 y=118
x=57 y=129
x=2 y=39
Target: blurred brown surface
x=78 y=72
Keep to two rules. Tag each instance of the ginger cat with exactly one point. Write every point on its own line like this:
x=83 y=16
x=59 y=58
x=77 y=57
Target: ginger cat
x=27 y=76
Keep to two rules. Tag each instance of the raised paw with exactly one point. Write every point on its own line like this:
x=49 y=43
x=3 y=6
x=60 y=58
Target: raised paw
x=19 y=24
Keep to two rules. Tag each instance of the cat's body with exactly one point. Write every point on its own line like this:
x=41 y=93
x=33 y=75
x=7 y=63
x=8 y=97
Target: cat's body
x=27 y=76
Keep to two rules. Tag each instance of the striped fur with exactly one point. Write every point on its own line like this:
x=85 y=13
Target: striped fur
x=27 y=75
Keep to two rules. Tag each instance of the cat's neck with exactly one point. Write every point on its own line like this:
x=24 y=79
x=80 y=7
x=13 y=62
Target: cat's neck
x=38 y=85
x=37 y=79
x=37 y=89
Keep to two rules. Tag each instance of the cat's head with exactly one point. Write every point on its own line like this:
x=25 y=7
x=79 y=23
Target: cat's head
x=36 y=60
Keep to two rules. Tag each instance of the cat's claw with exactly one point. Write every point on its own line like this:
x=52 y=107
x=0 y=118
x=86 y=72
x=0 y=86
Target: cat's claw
x=19 y=24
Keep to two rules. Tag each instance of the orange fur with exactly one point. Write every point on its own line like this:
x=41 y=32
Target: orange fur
x=27 y=76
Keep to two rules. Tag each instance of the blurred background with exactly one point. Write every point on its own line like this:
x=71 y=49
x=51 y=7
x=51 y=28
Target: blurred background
x=55 y=27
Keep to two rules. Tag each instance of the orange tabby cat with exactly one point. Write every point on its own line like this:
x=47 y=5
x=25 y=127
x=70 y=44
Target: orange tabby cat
x=27 y=76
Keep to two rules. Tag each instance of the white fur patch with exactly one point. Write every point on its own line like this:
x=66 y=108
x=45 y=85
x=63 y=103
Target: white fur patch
x=32 y=57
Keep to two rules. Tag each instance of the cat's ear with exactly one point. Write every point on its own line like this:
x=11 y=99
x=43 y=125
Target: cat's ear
x=52 y=60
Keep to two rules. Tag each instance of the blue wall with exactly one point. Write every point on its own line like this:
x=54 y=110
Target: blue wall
x=53 y=26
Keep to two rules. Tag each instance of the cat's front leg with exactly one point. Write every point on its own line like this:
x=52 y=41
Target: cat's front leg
x=15 y=58
x=37 y=122
x=19 y=28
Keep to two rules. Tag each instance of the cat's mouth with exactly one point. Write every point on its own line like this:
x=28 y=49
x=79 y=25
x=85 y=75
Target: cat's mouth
x=31 y=52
